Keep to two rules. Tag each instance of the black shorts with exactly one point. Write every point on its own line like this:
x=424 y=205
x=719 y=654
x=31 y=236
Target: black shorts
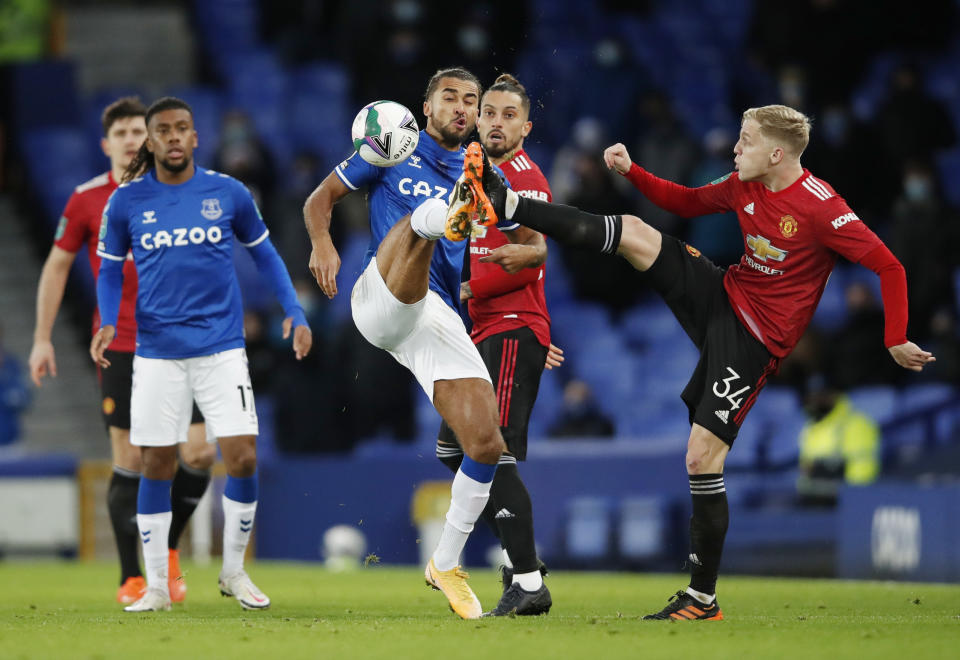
x=115 y=385
x=734 y=365
x=515 y=361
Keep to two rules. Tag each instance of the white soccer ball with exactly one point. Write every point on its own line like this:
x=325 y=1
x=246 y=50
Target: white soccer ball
x=343 y=547
x=385 y=133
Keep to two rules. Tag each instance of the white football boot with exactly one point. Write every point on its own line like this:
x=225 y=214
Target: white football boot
x=240 y=586
x=153 y=600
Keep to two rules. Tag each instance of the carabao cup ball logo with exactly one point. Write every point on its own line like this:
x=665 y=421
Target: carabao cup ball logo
x=385 y=133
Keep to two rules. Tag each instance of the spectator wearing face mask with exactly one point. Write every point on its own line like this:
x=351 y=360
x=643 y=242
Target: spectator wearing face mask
x=924 y=237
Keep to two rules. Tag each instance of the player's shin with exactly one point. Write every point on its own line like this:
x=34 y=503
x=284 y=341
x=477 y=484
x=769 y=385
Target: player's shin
x=708 y=529
x=153 y=521
x=122 y=505
x=189 y=485
x=239 y=507
x=569 y=225
x=468 y=496
x=514 y=520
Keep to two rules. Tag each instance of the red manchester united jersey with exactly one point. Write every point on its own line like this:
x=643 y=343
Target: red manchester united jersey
x=500 y=301
x=791 y=242
x=81 y=224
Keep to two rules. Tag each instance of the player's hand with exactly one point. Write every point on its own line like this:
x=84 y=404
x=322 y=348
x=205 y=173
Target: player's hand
x=99 y=344
x=554 y=357
x=42 y=361
x=910 y=356
x=324 y=265
x=466 y=293
x=512 y=257
x=302 y=337
x=617 y=158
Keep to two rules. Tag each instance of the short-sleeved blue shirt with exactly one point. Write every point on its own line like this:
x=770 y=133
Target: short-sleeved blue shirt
x=430 y=171
x=181 y=237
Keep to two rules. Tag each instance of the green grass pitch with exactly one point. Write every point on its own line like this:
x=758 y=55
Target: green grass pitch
x=66 y=610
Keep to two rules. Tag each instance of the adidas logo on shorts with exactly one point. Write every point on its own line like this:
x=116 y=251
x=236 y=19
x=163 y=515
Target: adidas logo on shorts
x=723 y=415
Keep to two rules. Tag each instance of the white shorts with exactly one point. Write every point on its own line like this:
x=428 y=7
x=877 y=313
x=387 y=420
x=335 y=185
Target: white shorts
x=163 y=392
x=427 y=337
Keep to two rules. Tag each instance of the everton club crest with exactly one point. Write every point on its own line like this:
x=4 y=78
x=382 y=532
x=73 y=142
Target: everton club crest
x=210 y=209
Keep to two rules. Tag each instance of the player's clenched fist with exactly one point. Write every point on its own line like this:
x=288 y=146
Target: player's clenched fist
x=616 y=157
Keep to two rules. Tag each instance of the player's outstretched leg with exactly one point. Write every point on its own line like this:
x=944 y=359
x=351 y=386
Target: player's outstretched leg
x=469 y=406
x=626 y=235
x=239 y=509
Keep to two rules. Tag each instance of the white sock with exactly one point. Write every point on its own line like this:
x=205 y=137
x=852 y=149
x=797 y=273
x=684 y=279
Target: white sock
x=429 y=220
x=506 y=558
x=528 y=581
x=513 y=199
x=154 y=534
x=237 y=526
x=706 y=599
x=467 y=499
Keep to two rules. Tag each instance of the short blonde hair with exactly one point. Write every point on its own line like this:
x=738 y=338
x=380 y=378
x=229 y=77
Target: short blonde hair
x=782 y=124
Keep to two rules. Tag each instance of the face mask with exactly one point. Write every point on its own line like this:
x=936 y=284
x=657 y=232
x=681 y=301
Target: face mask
x=917 y=188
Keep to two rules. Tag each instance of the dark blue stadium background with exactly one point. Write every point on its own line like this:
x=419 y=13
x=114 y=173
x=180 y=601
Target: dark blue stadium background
x=278 y=84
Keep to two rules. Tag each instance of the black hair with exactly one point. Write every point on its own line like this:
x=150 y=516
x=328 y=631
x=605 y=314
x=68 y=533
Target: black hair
x=507 y=83
x=457 y=72
x=128 y=106
x=143 y=161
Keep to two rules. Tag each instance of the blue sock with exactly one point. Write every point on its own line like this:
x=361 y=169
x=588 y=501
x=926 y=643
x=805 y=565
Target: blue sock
x=153 y=496
x=241 y=489
x=478 y=471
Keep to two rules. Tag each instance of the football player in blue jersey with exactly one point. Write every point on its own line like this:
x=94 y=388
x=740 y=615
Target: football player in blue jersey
x=407 y=297
x=179 y=222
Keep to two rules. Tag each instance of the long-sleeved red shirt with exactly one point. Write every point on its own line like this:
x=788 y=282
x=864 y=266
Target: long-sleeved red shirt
x=792 y=239
x=501 y=301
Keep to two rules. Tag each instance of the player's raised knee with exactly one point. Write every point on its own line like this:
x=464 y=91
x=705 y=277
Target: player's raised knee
x=639 y=242
x=485 y=446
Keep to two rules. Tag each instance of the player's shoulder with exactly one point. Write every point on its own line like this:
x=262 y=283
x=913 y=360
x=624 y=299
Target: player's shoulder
x=99 y=183
x=525 y=176
x=816 y=190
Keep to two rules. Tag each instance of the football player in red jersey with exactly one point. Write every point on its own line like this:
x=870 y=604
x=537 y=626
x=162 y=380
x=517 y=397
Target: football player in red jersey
x=123 y=133
x=746 y=318
x=511 y=328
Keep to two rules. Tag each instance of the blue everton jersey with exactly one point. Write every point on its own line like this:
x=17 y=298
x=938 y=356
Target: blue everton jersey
x=181 y=237
x=430 y=171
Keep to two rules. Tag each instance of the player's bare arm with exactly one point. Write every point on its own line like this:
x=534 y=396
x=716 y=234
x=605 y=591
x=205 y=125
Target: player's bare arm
x=324 y=259
x=99 y=344
x=526 y=249
x=617 y=157
x=53 y=280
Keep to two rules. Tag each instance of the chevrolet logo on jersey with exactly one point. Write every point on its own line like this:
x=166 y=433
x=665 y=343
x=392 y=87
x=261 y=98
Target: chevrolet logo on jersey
x=763 y=250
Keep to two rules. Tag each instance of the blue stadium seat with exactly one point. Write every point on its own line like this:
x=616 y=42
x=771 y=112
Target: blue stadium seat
x=745 y=454
x=57 y=160
x=918 y=397
x=776 y=402
x=548 y=404
x=831 y=311
x=651 y=323
x=207 y=106
x=948 y=163
x=588 y=531
x=575 y=323
x=879 y=402
x=352 y=251
x=783 y=446
x=643 y=527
